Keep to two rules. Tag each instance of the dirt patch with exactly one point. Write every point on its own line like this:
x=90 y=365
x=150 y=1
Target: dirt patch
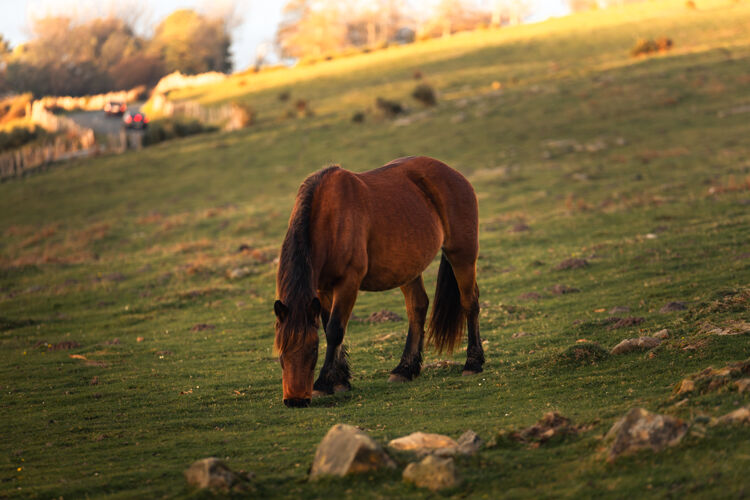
x=672 y=307
x=711 y=379
x=551 y=427
x=65 y=345
x=382 y=316
x=563 y=289
x=584 y=353
x=200 y=327
x=569 y=264
x=625 y=322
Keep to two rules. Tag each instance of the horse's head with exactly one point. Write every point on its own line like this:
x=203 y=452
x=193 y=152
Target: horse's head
x=297 y=343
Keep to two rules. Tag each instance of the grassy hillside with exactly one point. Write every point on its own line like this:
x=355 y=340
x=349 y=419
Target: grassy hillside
x=641 y=166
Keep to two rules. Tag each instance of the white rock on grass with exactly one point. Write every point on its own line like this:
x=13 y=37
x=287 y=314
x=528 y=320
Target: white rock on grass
x=435 y=473
x=347 y=450
x=640 y=429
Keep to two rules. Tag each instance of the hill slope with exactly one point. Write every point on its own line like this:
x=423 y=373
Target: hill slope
x=638 y=165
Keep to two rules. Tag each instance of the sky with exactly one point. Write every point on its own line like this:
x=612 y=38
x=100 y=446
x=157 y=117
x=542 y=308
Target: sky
x=256 y=19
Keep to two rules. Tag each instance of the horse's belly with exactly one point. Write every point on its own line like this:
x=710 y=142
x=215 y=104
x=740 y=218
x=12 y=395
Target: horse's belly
x=400 y=263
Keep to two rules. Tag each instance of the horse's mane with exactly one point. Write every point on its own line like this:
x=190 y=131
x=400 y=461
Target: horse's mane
x=294 y=280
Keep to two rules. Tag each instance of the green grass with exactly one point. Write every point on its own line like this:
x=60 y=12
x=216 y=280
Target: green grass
x=138 y=246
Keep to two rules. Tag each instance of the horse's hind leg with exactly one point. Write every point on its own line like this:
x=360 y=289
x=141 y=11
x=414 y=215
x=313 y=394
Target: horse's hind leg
x=467 y=285
x=416 y=309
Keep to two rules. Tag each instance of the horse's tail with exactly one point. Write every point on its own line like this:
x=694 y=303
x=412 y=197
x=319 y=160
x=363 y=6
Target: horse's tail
x=448 y=317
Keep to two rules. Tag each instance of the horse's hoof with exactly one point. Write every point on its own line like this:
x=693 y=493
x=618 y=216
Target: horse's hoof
x=341 y=388
x=318 y=394
x=467 y=373
x=395 y=377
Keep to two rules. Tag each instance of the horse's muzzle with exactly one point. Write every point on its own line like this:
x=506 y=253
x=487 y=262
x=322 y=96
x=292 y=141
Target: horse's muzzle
x=297 y=402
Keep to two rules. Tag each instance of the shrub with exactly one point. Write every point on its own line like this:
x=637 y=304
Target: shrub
x=19 y=136
x=649 y=46
x=425 y=94
x=389 y=108
x=171 y=128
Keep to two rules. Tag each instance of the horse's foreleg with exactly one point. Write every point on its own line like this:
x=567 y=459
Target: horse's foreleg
x=416 y=309
x=335 y=374
x=326 y=299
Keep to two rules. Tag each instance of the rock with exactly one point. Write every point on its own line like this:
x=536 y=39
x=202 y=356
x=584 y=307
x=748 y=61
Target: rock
x=637 y=344
x=518 y=335
x=619 y=310
x=432 y=472
x=347 y=450
x=738 y=416
x=662 y=334
x=685 y=386
x=568 y=264
x=238 y=273
x=423 y=443
x=530 y=296
x=743 y=385
x=563 y=289
x=469 y=443
x=673 y=306
x=640 y=429
x=212 y=473
x=551 y=425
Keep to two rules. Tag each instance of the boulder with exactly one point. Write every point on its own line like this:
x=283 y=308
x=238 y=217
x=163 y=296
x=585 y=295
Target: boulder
x=432 y=472
x=211 y=473
x=346 y=450
x=635 y=344
x=640 y=429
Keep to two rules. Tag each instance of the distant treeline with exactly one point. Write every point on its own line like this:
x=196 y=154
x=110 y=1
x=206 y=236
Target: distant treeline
x=69 y=57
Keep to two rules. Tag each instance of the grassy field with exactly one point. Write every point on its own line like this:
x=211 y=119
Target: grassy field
x=641 y=166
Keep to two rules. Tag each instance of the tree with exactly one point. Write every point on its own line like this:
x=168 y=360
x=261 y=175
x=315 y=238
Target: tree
x=192 y=43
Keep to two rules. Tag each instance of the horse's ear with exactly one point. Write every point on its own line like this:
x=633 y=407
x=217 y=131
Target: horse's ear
x=315 y=307
x=281 y=310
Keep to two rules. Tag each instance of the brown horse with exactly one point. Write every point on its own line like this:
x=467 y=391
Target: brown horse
x=375 y=231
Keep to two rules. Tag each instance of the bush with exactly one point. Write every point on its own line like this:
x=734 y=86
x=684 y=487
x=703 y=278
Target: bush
x=170 y=128
x=19 y=136
x=650 y=46
x=425 y=94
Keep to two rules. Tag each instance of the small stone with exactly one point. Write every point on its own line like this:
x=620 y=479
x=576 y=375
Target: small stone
x=423 y=443
x=238 y=273
x=212 y=473
x=673 y=306
x=347 y=450
x=625 y=322
x=743 y=385
x=738 y=416
x=635 y=344
x=619 y=310
x=432 y=472
x=640 y=429
x=518 y=335
x=530 y=296
x=662 y=334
